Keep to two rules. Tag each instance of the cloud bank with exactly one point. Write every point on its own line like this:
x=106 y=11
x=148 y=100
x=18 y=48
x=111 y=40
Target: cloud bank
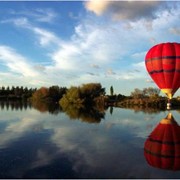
x=99 y=49
x=125 y=10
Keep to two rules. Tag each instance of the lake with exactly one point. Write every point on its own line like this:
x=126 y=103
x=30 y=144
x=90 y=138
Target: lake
x=42 y=143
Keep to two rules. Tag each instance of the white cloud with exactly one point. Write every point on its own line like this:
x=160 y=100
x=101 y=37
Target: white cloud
x=110 y=72
x=107 y=50
x=16 y=63
x=95 y=66
x=20 y=70
x=175 y=30
x=139 y=56
x=91 y=46
x=149 y=81
x=97 y=6
x=17 y=126
x=46 y=15
x=45 y=38
x=120 y=10
x=140 y=65
x=22 y=21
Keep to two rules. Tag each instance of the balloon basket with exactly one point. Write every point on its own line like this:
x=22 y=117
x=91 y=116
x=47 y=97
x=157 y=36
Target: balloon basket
x=168 y=106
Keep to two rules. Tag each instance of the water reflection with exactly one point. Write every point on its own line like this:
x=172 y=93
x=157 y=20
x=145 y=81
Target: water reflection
x=43 y=107
x=162 y=148
x=147 y=110
x=15 y=105
x=75 y=112
x=85 y=114
x=35 y=144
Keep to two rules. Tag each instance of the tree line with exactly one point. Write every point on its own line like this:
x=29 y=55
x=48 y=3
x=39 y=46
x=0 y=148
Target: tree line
x=149 y=92
x=51 y=94
x=90 y=94
x=85 y=94
x=16 y=92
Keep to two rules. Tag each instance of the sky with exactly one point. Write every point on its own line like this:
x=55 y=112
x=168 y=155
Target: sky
x=70 y=43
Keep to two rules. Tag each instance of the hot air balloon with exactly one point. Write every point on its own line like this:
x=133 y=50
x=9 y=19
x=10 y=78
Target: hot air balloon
x=163 y=65
x=162 y=148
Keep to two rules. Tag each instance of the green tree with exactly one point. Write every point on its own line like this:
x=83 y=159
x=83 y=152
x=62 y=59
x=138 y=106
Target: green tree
x=3 y=90
x=85 y=94
x=56 y=93
x=72 y=96
x=8 y=90
x=91 y=90
x=111 y=91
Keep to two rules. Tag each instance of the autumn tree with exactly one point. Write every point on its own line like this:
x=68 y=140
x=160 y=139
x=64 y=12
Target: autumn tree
x=91 y=90
x=151 y=92
x=40 y=94
x=137 y=93
x=146 y=92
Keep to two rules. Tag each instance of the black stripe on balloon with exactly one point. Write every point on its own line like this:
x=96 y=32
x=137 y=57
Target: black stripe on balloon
x=165 y=142
x=161 y=155
x=162 y=70
x=162 y=57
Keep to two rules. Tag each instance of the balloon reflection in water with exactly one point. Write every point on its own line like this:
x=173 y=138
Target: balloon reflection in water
x=162 y=148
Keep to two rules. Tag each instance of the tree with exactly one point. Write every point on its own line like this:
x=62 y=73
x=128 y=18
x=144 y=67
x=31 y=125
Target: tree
x=91 y=90
x=137 y=93
x=111 y=90
x=146 y=92
x=85 y=94
x=40 y=94
x=8 y=90
x=151 y=92
x=56 y=93
x=2 y=90
x=72 y=96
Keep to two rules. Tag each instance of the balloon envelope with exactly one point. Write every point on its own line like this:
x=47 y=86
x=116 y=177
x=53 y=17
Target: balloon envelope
x=163 y=65
x=162 y=148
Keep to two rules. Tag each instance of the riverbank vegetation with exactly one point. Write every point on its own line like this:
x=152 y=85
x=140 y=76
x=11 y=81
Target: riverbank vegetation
x=51 y=94
x=16 y=93
x=90 y=95
x=87 y=95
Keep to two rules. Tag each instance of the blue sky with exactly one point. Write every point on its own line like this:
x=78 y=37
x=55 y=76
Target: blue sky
x=68 y=43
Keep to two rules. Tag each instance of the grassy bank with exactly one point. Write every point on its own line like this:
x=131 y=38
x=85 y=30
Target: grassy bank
x=160 y=102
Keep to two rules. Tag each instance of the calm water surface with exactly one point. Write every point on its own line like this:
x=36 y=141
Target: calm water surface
x=54 y=144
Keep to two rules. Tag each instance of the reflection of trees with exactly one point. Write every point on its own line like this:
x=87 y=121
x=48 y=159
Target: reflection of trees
x=147 y=110
x=23 y=105
x=74 y=111
x=14 y=105
x=43 y=107
x=111 y=110
x=85 y=114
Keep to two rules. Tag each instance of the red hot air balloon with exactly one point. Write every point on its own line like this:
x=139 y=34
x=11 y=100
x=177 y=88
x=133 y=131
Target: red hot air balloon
x=162 y=148
x=163 y=65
